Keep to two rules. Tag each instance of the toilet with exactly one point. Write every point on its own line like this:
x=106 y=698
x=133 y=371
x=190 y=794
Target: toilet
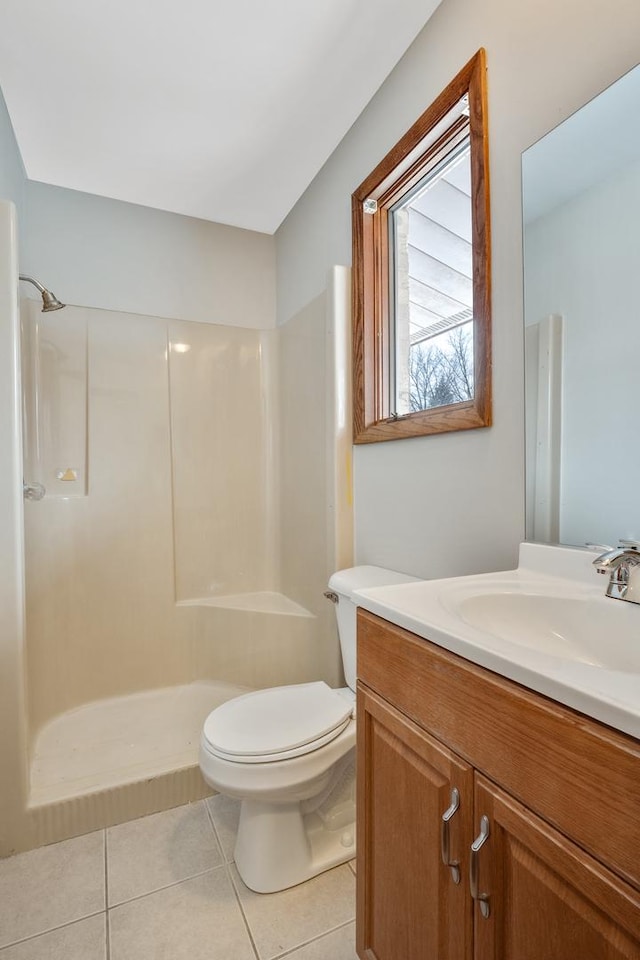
x=287 y=753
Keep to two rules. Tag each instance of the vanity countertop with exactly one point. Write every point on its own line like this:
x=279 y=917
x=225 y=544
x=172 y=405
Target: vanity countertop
x=546 y=625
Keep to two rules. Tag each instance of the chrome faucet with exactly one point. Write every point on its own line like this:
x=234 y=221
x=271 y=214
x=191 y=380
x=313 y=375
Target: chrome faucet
x=622 y=564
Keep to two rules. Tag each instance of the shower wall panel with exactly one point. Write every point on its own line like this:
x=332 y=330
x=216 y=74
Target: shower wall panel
x=101 y=618
x=54 y=366
x=257 y=647
x=169 y=427
x=315 y=460
x=303 y=491
x=222 y=462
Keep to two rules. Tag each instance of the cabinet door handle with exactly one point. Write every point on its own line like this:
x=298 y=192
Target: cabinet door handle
x=478 y=843
x=445 y=839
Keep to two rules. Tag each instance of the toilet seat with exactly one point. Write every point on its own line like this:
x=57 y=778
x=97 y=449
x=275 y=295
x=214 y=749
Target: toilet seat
x=277 y=724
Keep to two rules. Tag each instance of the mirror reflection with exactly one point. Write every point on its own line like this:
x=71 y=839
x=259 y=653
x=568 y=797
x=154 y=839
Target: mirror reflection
x=581 y=207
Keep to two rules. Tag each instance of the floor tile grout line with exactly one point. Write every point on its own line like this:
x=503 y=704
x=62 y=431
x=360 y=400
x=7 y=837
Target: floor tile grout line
x=60 y=926
x=227 y=864
x=305 y=943
x=212 y=823
x=231 y=874
x=167 y=886
x=242 y=911
x=107 y=934
x=298 y=946
x=215 y=830
x=174 y=883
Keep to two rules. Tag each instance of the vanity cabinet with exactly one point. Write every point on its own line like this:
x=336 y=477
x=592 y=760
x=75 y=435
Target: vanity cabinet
x=560 y=866
x=409 y=906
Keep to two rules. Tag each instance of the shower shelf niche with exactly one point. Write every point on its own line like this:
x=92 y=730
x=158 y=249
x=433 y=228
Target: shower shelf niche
x=260 y=601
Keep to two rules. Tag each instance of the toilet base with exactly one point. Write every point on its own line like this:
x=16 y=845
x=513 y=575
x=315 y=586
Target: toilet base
x=282 y=844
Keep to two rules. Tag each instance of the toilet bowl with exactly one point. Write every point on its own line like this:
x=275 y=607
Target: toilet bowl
x=288 y=754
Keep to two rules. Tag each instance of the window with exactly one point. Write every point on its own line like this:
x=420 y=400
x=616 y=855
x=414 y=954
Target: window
x=421 y=274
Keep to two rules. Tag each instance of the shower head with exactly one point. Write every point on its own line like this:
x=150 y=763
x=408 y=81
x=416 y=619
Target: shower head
x=49 y=300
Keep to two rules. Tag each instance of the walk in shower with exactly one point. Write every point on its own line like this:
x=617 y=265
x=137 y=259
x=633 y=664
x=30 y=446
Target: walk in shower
x=159 y=580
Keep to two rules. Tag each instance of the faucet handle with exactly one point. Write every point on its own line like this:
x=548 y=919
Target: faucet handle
x=599 y=546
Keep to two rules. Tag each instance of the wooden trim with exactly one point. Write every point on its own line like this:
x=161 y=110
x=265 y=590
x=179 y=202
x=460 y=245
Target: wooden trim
x=363 y=375
x=579 y=775
x=452 y=93
x=407 y=179
x=370 y=298
x=481 y=245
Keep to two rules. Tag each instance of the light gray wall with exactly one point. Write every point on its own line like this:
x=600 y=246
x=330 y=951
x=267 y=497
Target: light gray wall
x=453 y=504
x=12 y=176
x=104 y=253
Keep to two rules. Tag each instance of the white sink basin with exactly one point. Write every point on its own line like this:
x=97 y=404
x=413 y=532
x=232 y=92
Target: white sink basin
x=595 y=631
x=547 y=625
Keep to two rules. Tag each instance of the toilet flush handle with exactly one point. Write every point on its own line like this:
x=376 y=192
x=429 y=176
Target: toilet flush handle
x=330 y=595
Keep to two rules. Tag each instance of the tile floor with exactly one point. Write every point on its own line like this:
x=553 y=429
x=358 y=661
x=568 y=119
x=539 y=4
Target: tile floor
x=165 y=888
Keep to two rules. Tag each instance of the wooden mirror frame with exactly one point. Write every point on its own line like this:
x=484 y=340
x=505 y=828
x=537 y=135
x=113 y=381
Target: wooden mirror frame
x=402 y=167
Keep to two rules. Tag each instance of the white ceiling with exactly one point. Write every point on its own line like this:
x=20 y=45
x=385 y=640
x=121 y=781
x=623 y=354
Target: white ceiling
x=224 y=111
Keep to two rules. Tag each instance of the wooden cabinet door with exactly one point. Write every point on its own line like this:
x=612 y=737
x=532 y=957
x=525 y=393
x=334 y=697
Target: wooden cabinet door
x=548 y=899
x=409 y=907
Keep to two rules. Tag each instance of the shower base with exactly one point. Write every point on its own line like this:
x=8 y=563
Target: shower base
x=116 y=759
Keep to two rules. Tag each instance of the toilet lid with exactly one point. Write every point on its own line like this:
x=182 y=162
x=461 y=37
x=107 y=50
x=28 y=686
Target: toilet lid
x=277 y=723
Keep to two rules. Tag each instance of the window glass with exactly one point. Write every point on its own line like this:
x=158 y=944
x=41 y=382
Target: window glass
x=433 y=290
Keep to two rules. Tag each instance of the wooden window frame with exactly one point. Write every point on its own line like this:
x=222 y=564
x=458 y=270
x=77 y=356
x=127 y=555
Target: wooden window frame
x=392 y=178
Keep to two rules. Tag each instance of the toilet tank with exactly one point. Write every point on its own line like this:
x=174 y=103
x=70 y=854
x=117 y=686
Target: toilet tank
x=343 y=583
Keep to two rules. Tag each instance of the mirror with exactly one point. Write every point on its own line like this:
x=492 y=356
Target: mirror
x=581 y=228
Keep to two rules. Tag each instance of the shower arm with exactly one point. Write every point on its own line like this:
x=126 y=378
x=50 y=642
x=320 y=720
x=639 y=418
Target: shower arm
x=49 y=300
x=34 y=282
